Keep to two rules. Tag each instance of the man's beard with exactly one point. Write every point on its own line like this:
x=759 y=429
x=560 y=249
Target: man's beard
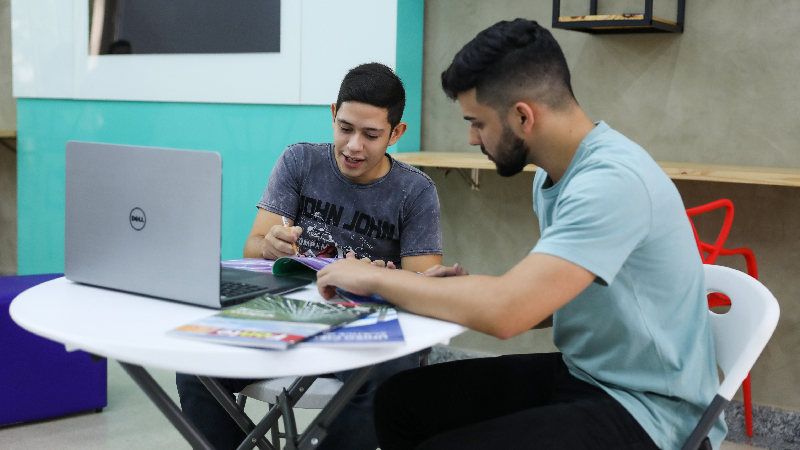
x=512 y=154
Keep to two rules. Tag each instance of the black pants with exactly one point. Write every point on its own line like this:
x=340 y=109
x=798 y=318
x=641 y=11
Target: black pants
x=507 y=402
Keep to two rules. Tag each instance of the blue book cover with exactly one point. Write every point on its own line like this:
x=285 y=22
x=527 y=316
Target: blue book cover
x=378 y=329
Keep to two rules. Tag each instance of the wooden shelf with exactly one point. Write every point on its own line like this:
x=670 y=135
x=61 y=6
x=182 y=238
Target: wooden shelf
x=599 y=18
x=620 y=23
x=638 y=22
x=450 y=160
x=8 y=139
x=772 y=176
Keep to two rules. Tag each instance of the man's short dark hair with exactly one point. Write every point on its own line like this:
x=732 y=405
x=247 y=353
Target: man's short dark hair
x=377 y=85
x=508 y=62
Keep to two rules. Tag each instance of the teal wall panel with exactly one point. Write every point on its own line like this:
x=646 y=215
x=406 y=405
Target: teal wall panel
x=410 y=25
x=249 y=137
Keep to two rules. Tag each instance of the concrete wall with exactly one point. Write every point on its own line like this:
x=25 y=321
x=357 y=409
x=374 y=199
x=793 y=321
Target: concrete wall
x=8 y=158
x=723 y=92
x=8 y=110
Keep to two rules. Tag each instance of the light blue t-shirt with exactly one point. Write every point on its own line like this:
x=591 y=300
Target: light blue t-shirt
x=641 y=330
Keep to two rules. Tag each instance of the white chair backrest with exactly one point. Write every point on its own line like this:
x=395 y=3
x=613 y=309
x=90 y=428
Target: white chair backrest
x=742 y=333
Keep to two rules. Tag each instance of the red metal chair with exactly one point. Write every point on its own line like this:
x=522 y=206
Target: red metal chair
x=709 y=254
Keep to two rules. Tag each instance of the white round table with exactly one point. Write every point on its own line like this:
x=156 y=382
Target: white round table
x=132 y=329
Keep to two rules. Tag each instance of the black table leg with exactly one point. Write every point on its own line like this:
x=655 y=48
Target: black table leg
x=167 y=406
x=318 y=428
x=310 y=439
x=290 y=397
x=235 y=411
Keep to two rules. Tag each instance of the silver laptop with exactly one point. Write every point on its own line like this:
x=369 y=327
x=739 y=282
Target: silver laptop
x=148 y=220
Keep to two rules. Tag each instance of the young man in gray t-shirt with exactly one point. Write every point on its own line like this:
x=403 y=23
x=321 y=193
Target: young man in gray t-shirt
x=394 y=218
x=348 y=197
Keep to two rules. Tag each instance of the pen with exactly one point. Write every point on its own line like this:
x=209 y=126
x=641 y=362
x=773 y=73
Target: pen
x=286 y=224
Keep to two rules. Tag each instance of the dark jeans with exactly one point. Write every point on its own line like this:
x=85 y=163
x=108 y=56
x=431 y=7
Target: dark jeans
x=353 y=428
x=508 y=402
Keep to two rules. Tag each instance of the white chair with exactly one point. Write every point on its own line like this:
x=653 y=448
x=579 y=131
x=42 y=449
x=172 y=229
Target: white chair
x=316 y=397
x=739 y=337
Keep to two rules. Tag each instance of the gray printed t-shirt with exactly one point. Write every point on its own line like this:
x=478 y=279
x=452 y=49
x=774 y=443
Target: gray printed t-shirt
x=394 y=216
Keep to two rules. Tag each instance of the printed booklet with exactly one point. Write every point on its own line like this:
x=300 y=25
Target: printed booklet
x=379 y=329
x=273 y=321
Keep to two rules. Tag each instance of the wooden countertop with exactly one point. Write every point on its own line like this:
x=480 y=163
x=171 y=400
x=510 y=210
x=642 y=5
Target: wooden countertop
x=774 y=176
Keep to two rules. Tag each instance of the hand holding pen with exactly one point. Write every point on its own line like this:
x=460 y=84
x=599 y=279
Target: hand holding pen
x=280 y=241
x=286 y=224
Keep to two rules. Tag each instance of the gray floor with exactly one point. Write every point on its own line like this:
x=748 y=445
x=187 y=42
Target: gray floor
x=129 y=422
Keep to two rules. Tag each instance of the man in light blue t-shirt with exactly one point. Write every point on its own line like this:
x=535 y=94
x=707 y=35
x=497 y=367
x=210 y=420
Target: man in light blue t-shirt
x=616 y=268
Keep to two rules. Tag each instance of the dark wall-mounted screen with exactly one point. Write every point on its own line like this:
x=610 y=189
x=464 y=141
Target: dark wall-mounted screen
x=184 y=26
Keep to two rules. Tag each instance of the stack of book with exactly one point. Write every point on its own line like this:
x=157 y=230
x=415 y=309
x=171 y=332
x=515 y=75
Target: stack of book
x=278 y=322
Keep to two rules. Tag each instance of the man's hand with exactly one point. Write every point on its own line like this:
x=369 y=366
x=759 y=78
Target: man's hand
x=350 y=274
x=377 y=262
x=278 y=242
x=269 y=238
x=446 y=271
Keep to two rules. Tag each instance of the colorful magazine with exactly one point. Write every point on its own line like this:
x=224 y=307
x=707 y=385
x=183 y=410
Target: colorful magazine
x=379 y=329
x=273 y=321
x=251 y=264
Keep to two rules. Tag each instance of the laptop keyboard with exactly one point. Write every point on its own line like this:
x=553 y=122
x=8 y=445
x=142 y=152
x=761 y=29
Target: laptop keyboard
x=230 y=291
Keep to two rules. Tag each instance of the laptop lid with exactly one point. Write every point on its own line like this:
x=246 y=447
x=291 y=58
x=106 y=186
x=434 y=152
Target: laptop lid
x=144 y=220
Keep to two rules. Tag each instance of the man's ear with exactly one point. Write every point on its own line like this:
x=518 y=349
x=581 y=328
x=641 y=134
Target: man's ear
x=397 y=132
x=521 y=116
x=333 y=111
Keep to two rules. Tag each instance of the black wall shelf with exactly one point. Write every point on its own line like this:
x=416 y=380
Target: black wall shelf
x=618 y=23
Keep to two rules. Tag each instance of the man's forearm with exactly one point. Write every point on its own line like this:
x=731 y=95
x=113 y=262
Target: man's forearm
x=252 y=247
x=482 y=303
x=420 y=263
x=499 y=306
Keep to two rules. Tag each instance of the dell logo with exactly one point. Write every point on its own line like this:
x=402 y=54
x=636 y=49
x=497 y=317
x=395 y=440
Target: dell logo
x=137 y=218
